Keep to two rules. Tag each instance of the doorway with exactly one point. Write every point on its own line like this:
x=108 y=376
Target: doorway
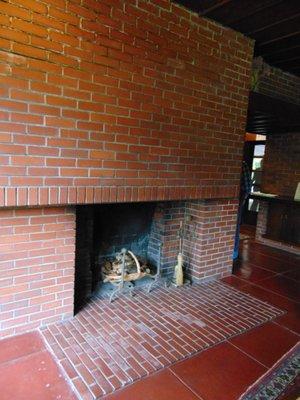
x=254 y=151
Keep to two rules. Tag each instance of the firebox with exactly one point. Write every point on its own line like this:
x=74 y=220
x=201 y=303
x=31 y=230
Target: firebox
x=142 y=229
x=154 y=232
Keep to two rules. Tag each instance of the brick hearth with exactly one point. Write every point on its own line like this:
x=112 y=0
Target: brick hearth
x=107 y=346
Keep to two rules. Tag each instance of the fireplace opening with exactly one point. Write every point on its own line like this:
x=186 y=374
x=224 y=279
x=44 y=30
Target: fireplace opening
x=193 y=236
x=102 y=231
x=149 y=232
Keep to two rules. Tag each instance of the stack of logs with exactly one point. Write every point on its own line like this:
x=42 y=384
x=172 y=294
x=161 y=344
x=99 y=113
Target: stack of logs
x=133 y=268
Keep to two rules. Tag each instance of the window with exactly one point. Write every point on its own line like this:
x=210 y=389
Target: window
x=256 y=174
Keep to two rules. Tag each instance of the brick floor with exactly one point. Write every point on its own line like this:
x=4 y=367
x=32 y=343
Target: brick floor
x=107 y=346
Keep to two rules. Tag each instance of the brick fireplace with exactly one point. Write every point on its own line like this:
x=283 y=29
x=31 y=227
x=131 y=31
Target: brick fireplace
x=113 y=102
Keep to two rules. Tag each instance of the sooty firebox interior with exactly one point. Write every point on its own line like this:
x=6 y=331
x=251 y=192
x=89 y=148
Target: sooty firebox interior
x=101 y=232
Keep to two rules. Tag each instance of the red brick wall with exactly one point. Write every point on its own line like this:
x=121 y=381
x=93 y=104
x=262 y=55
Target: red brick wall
x=281 y=170
x=208 y=236
x=36 y=267
x=211 y=228
x=112 y=100
x=276 y=83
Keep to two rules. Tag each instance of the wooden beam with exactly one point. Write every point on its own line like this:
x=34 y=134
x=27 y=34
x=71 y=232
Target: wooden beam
x=263 y=119
x=278 y=46
x=207 y=6
x=271 y=106
x=237 y=9
x=285 y=116
x=284 y=55
x=287 y=64
x=267 y=17
x=202 y=7
x=279 y=31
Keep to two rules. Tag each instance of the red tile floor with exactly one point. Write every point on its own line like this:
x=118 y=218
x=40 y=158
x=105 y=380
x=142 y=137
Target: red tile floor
x=27 y=370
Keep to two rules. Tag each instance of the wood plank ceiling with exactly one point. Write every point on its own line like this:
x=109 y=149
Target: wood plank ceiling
x=267 y=115
x=274 y=24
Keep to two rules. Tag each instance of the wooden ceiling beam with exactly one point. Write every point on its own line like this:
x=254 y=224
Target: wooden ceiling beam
x=204 y=6
x=285 y=55
x=260 y=131
x=272 y=129
x=278 y=31
x=207 y=6
x=251 y=123
x=277 y=124
x=286 y=115
x=237 y=9
x=267 y=17
x=267 y=119
x=287 y=63
x=278 y=46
